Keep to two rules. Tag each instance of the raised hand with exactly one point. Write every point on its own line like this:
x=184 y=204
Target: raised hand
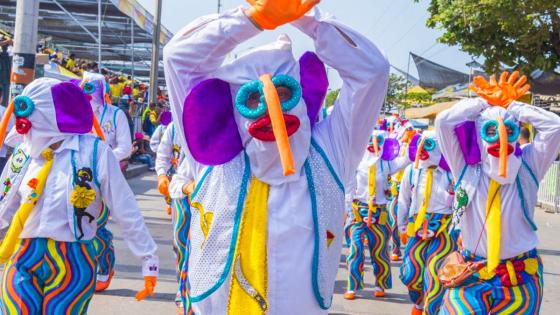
x=502 y=92
x=270 y=14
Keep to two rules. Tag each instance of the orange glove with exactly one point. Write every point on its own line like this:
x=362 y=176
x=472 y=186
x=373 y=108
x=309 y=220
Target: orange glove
x=502 y=93
x=188 y=189
x=404 y=238
x=270 y=14
x=163 y=185
x=149 y=285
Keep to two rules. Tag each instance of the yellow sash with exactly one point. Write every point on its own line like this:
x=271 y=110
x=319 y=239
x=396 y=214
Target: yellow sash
x=12 y=236
x=427 y=195
x=493 y=232
x=248 y=289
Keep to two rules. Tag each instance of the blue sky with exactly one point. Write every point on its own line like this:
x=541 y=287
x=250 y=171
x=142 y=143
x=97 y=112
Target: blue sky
x=396 y=26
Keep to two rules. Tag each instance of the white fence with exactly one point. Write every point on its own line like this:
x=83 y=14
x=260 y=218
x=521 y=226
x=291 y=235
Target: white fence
x=549 y=189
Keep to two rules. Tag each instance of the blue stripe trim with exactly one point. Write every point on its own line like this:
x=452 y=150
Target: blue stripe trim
x=524 y=205
x=233 y=244
x=314 y=276
x=94 y=163
x=530 y=172
x=329 y=165
x=202 y=179
x=458 y=183
x=115 y=117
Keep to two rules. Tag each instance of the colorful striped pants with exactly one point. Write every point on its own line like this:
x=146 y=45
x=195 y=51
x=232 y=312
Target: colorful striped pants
x=482 y=297
x=49 y=277
x=377 y=237
x=181 y=219
x=395 y=237
x=103 y=243
x=421 y=261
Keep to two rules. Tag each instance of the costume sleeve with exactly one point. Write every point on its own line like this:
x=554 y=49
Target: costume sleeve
x=199 y=49
x=364 y=70
x=446 y=121
x=124 y=143
x=164 y=152
x=399 y=163
x=546 y=145
x=405 y=199
x=12 y=200
x=155 y=140
x=183 y=176
x=118 y=196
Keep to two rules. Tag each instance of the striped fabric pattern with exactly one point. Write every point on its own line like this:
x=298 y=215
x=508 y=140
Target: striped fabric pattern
x=396 y=240
x=49 y=277
x=377 y=238
x=491 y=297
x=421 y=261
x=103 y=243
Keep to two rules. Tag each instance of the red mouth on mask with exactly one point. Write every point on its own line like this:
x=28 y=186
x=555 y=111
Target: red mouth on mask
x=494 y=150
x=261 y=129
x=424 y=155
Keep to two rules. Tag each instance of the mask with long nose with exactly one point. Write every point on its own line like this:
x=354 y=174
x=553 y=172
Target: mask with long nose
x=424 y=150
x=95 y=86
x=381 y=147
x=501 y=155
x=264 y=103
x=48 y=111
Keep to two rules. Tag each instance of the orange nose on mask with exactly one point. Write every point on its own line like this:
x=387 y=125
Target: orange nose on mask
x=419 y=153
x=503 y=138
x=278 y=124
x=375 y=145
x=5 y=121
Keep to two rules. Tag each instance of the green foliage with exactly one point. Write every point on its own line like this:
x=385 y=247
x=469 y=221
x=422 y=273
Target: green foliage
x=331 y=97
x=395 y=92
x=523 y=34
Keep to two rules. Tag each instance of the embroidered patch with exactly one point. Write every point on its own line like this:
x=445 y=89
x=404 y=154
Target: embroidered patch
x=7 y=187
x=82 y=196
x=330 y=238
x=18 y=161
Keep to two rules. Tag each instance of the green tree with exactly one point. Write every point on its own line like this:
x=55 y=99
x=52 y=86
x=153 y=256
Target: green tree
x=521 y=34
x=395 y=92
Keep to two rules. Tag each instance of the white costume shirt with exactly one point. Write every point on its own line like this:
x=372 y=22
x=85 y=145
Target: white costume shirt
x=199 y=49
x=517 y=235
x=50 y=216
x=155 y=140
x=411 y=194
x=165 y=150
x=116 y=130
x=383 y=169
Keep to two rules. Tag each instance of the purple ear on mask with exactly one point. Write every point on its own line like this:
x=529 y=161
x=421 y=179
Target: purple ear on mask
x=443 y=164
x=518 y=151
x=72 y=108
x=210 y=128
x=383 y=125
x=165 y=118
x=76 y=82
x=391 y=149
x=314 y=84
x=468 y=142
x=413 y=147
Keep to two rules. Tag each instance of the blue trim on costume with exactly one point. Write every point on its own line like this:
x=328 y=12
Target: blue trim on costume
x=103 y=115
x=94 y=162
x=322 y=153
x=233 y=244
x=524 y=205
x=530 y=172
x=458 y=183
x=115 y=117
x=199 y=185
x=314 y=276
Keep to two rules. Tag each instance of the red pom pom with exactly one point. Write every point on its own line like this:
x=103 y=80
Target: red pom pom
x=22 y=125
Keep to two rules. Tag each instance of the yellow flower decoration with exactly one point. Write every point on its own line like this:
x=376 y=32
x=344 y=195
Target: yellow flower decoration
x=82 y=197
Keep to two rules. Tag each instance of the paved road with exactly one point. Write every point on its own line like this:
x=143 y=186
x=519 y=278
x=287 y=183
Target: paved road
x=119 y=298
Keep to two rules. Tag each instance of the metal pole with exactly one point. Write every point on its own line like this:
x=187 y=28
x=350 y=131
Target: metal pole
x=132 y=50
x=219 y=6
x=155 y=54
x=406 y=83
x=25 y=45
x=99 y=35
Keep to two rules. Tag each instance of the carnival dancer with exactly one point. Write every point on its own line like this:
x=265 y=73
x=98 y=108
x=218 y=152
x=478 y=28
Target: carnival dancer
x=168 y=159
x=114 y=125
x=403 y=134
x=370 y=214
x=424 y=216
x=267 y=221
x=165 y=119
x=60 y=176
x=498 y=184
